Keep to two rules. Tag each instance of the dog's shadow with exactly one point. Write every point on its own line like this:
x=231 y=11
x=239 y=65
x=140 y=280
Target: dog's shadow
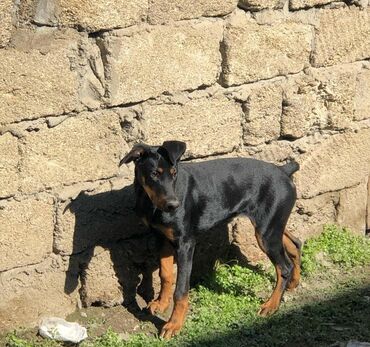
x=107 y=220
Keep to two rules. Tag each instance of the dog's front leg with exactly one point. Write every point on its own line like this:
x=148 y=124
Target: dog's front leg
x=166 y=274
x=185 y=251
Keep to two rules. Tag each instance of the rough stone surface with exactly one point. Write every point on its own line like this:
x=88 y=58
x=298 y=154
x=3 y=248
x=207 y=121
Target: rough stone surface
x=310 y=215
x=38 y=80
x=298 y=4
x=95 y=218
x=257 y=5
x=81 y=82
x=91 y=72
x=342 y=36
x=146 y=63
x=215 y=118
x=352 y=208
x=317 y=176
x=368 y=207
x=6 y=24
x=246 y=249
x=100 y=281
x=325 y=98
x=262 y=114
x=162 y=11
x=9 y=164
x=246 y=44
x=31 y=293
x=88 y=147
x=26 y=231
x=337 y=88
x=361 y=98
x=276 y=152
x=102 y=14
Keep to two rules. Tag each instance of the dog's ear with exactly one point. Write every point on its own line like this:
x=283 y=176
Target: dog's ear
x=136 y=152
x=174 y=150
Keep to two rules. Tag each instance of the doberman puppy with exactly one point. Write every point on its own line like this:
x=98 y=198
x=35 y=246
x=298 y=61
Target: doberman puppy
x=181 y=200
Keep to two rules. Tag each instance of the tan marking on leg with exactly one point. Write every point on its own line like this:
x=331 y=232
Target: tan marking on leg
x=272 y=304
x=166 y=274
x=177 y=320
x=294 y=254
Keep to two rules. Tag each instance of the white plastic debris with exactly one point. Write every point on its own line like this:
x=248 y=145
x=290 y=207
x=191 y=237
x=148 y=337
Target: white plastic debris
x=61 y=330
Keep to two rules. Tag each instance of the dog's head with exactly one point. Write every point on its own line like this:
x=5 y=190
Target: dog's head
x=156 y=171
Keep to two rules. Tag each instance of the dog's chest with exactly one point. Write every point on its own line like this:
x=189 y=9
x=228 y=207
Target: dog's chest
x=154 y=218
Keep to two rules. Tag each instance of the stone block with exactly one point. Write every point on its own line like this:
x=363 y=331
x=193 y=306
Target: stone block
x=9 y=165
x=100 y=283
x=299 y=4
x=325 y=166
x=310 y=215
x=352 y=208
x=325 y=98
x=362 y=99
x=258 y=5
x=37 y=78
x=368 y=207
x=87 y=15
x=302 y=110
x=244 y=243
x=102 y=14
x=342 y=36
x=276 y=152
x=253 y=52
x=216 y=119
x=163 y=11
x=145 y=62
x=262 y=111
x=95 y=218
x=27 y=228
x=82 y=148
x=337 y=89
x=31 y=293
x=6 y=21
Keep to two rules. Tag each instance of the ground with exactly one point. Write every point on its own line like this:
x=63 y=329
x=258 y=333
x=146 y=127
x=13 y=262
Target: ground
x=330 y=307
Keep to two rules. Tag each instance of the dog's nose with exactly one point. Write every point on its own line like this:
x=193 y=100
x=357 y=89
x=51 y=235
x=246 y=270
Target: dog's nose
x=172 y=205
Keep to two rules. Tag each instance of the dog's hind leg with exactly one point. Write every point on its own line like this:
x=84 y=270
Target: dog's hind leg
x=293 y=248
x=271 y=242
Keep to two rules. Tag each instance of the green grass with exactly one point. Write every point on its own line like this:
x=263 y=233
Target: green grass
x=224 y=306
x=13 y=340
x=336 y=245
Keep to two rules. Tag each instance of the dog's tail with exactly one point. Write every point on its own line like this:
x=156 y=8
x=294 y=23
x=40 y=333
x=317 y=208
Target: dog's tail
x=290 y=168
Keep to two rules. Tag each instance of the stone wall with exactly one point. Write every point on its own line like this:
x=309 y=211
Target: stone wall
x=82 y=81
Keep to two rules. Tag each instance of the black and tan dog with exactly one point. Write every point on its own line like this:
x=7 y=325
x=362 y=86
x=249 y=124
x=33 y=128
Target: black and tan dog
x=182 y=200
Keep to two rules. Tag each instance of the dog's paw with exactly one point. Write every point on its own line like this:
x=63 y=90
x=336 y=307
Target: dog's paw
x=293 y=284
x=158 y=306
x=170 y=329
x=267 y=309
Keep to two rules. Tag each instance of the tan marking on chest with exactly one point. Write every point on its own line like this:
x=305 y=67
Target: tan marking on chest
x=166 y=231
